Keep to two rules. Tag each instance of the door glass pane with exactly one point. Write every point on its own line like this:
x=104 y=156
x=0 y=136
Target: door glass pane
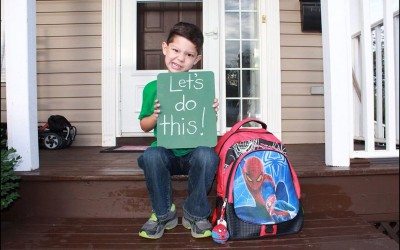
x=249 y=25
x=232 y=53
x=251 y=108
x=242 y=60
x=250 y=57
x=232 y=23
x=232 y=83
x=231 y=4
x=249 y=5
x=232 y=112
x=154 y=21
x=250 y=83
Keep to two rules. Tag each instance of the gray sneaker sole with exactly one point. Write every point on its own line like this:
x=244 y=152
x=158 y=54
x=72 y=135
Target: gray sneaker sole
x=186 y=224
x=170 y=225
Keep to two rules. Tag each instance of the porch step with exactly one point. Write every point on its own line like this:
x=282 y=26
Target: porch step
x=83 y=183
x=320 y=231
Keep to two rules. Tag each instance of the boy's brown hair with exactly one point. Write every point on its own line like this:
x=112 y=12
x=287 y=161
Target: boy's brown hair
x=188 y=31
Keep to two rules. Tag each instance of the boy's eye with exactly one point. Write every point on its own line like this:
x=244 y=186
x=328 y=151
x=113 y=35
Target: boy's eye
x=190 y=55
x=175 y=50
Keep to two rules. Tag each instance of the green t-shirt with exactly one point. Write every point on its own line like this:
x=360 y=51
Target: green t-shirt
x=148 y=98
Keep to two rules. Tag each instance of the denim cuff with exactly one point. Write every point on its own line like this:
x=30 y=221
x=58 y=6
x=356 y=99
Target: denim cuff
x=191 y=217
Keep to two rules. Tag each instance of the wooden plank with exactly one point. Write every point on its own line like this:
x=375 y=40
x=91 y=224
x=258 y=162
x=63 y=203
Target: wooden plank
x=72 y=115
x=68 y=42
x=290 y=16
x=3 y=104
x=68 y=79
x=3 y=116
x=303 y=125
x=289 y=5
x=306 y=40
x=303 y=137
x=298 y=76
x=291 y=28
x=63 y=6
x=303 y=101
x=3 y=91
x=87 y=29
x=302 y=64
x=90 y=66
x=69 y=103
x=69 y=91
x=72 y=54
x=303 y=113
x=69 y=17
x=301 y=52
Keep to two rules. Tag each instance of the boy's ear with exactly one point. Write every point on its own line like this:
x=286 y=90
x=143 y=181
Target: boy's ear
x=198 y=58
x=164 y=46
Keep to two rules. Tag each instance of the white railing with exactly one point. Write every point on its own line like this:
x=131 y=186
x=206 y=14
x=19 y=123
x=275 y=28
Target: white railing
x=376 y=83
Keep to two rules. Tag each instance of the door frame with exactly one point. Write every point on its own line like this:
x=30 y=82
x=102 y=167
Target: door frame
x=133 y=80
x=111 y=67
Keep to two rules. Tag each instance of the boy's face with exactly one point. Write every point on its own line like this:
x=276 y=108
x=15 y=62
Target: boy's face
x=180 y=54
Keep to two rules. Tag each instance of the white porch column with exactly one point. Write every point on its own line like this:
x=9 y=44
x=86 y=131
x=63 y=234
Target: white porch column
x=21 y=88
x=271 y=92
x=336 y=42
x=110 y=73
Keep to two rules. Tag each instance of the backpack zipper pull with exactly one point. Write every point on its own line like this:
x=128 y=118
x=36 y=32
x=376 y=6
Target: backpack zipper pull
x=221 y=218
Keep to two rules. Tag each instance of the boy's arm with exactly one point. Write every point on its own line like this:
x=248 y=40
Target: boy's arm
x=149 y=122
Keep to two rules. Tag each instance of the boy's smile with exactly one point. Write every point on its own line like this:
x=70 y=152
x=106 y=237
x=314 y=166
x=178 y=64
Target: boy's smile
x=180 y=54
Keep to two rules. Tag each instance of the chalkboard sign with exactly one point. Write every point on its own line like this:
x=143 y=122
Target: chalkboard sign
x=187 y=118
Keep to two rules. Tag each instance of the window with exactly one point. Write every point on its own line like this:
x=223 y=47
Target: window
x=242 y=67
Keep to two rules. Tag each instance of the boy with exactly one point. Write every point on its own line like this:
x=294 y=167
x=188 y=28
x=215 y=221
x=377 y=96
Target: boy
x=182 y=51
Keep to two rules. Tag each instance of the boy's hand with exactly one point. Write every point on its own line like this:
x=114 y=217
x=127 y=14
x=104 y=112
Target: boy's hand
x=216 y=105
x=156 y=111
x=149 y=122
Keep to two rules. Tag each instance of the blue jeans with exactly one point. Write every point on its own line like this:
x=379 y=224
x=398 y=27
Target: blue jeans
x=159 y=164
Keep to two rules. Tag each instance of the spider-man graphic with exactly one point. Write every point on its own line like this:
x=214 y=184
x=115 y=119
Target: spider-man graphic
x=256 y=179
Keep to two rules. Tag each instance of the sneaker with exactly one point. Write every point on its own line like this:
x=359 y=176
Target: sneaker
x=154 y=229
x=199 y=229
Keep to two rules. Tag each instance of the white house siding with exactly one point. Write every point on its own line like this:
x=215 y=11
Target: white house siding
x=69 y=65
x=301 y=60
x=69 y=70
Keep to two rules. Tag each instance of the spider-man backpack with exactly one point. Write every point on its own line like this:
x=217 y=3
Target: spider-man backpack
x=258 y=193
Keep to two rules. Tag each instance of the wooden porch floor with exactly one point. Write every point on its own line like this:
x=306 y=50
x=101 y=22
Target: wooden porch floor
x=87 y=185
x=345 y=231
x=89 y=163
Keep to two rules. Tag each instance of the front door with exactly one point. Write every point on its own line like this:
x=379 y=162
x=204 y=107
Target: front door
x=241 y=47
x=144 y=26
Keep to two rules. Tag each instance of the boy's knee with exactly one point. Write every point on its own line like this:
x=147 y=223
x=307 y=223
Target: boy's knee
x=208 y=155
x=154 y=152
x=153 y=157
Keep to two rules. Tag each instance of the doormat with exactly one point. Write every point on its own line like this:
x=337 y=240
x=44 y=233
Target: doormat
x=125 y=149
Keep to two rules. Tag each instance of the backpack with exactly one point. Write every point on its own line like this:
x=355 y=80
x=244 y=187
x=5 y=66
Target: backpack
x=258 y=193
x=57 y=133
x=57 y=123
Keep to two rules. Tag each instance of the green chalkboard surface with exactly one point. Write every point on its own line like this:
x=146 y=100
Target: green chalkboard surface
x=187 y=118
